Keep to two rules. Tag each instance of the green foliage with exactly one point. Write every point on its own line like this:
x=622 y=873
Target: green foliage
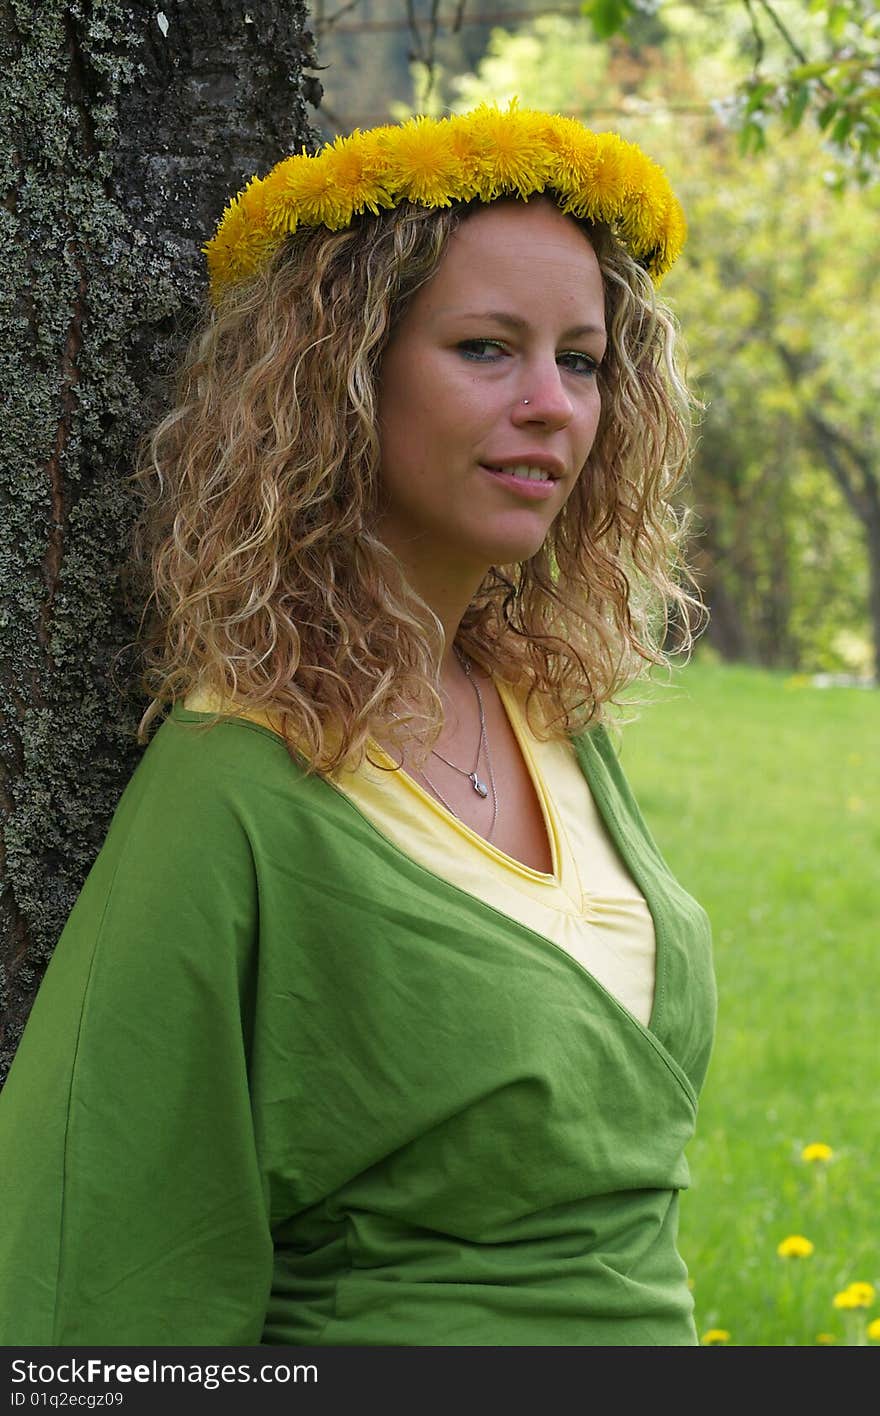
x=608 y=16
x=758 y=788
x=822 y=60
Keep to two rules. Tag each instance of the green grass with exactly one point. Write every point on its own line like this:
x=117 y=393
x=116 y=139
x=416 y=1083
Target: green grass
x=762 y=792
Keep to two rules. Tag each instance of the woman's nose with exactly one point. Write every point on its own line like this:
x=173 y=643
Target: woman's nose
x=543 y=397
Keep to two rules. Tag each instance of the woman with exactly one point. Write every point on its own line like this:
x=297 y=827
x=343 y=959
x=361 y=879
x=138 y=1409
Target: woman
x=380 y=1019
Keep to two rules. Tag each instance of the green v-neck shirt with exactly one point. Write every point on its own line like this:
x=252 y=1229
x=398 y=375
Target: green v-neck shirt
x=283 y=1085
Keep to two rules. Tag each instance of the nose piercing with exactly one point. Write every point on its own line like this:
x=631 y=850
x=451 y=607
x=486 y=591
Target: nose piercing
x=525 y=400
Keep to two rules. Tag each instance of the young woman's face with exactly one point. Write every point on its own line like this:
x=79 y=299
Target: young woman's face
x=514 y=312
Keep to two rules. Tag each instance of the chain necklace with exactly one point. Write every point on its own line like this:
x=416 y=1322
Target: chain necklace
x=473 y=777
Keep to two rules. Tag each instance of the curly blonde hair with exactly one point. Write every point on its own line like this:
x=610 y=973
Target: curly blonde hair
x=261 y=489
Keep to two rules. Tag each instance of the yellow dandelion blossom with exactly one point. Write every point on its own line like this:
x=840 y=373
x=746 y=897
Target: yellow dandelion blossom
x=873 y=1330
x=817 y=1150
x=644 y=213
x=573 y=165
x=795 y=1247
x=281 y=191
x=646 y=198
x=608 y=193
x=825 y=1339
x=714 y=1337
x=847 y=1300
x=358 y=166
x=671 y=243
x=421 y=162
x=863 y=1293
x=465 y=149
x=243 y=240
x=512 y=158
x=569 y=143
x=307 y=188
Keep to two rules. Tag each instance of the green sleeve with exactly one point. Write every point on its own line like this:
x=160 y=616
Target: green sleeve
x=133 y=1209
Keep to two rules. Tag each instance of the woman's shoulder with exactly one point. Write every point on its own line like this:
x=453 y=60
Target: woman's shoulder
x=204 y=700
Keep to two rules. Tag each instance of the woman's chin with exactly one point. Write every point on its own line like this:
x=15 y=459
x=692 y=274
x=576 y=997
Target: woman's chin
x=512 y=548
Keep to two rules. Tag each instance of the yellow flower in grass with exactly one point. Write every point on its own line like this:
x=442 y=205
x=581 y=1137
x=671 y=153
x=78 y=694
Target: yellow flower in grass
x=715 y=1337
x=817 y=1150
x=855 y=1295
x=874 y=1330
x=795 y=1247
x=858 y=1296
x=826 y=1339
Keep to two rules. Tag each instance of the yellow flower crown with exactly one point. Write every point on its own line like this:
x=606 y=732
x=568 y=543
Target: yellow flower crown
x=480 y=155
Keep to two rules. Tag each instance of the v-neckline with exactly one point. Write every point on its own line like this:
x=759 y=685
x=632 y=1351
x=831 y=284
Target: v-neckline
x=585 y=752
x=555 y=876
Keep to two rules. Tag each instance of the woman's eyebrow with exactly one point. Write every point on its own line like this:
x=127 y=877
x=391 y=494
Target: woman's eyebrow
x=516 y=322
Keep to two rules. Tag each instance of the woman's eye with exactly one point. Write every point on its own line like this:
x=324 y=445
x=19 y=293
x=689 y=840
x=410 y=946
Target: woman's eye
x=585 y=363
x=467 y=347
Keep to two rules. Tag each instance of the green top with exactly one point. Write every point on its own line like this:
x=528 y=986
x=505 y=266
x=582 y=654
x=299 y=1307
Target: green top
x=282 y=1085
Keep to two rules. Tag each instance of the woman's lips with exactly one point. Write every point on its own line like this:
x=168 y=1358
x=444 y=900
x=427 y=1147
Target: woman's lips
x=531 y=490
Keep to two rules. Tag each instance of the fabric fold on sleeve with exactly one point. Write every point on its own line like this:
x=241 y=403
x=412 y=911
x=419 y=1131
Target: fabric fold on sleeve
x=133 y=1207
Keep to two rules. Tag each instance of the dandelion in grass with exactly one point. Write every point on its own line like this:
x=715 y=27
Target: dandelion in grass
x=795 y=1247
x=855 y=1295
x=816 y=1151
x=826 y=1339
x=850 y=1301
x=873 y=1330
x=817 y=1156
x=715 y=1337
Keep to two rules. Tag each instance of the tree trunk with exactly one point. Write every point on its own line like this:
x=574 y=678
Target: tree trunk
x=126 y=128
x=852 y=465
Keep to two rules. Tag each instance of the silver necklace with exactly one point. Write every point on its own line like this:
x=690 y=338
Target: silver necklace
x=476 y=782
x=473 y=777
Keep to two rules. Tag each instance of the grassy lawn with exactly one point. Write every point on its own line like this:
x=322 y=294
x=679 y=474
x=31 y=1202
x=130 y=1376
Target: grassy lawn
x=762 y=792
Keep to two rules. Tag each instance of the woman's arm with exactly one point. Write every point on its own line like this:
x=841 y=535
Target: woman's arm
x=133 y=1210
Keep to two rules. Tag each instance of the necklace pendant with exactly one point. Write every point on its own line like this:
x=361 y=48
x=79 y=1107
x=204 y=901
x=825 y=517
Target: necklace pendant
x=479 y=787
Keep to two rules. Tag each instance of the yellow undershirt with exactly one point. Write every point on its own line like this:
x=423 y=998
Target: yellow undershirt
x=589 y=906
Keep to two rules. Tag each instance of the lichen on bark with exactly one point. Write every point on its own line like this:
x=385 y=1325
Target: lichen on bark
x=123 y=139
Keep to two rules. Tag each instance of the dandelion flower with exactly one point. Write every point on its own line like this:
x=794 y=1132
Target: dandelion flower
x=825 y=1339
x=243 y=240
x=714 y=1337
x=863 y=1293
x=795 y=1247
x=874 y=1330
x=816 y=1151
x=512 y=155
x=422 y=165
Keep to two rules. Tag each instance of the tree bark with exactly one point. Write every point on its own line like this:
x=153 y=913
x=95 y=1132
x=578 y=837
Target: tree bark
x=126 y=129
